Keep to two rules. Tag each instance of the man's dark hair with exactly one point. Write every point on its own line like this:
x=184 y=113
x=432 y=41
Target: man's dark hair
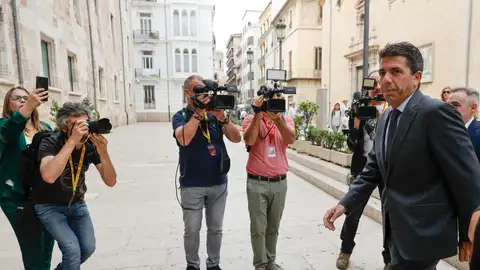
x=71 y=109
x=407 y=50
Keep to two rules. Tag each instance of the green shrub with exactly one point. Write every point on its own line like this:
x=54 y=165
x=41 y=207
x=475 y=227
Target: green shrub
x=297 y=120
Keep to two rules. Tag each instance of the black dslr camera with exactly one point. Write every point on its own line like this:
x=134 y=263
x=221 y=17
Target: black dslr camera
x=221 y=97
x=101 y=126
x=270 y=104
x=361 y=107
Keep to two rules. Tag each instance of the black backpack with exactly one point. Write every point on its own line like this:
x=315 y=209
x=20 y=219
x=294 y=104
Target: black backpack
x=26 y=217
x=29 y=163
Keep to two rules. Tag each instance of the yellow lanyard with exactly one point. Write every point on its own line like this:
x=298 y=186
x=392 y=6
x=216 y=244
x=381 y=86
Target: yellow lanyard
x=75 y=178
x=205 y=134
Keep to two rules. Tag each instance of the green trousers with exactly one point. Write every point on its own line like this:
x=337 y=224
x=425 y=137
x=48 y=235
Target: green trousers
x=266 y=201
x=36 y=249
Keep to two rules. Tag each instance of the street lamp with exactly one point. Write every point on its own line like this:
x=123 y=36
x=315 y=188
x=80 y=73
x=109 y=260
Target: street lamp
x=280 y=27
x=250 y=60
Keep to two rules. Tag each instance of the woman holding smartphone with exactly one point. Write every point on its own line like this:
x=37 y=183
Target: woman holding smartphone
x=19 y=124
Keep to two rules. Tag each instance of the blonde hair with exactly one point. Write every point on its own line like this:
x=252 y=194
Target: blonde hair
x=7 y=111
x=441 y=92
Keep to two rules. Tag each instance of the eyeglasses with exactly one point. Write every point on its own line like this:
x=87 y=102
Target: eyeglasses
x=17 y=98
x=446 y=92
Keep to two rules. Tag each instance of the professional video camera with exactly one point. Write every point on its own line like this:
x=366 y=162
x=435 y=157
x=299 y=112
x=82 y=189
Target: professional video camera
x=270 y=104
x=221 y=97
x=362 y=101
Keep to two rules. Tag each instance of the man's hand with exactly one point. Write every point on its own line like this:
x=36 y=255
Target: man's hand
x=79 y=130
x=356 y=123
x=205 y=100
x=219 y=114
x=331 y=215
x=473 y=225
x=100 y=142
x=465 y=251
x=258 y=103
x=272 y=116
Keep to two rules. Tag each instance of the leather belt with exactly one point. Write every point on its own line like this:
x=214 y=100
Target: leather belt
x=277 y=178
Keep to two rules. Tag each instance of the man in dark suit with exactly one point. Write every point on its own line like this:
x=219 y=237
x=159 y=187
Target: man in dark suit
x=466 y=101
x=423 y=156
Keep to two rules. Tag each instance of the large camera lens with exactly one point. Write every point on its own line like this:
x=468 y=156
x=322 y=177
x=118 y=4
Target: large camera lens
x=102 y=126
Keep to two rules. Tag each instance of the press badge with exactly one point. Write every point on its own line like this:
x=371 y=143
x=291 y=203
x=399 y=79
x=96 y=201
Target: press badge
x=211 y=150
x=271 y=151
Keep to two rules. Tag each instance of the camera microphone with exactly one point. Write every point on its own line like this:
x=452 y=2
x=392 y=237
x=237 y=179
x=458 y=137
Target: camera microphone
x=357 y=95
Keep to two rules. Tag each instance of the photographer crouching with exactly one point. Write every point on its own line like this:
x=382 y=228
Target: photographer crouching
x=360 y=142
x=267 y=136
x=204 y=164
x=58 y=199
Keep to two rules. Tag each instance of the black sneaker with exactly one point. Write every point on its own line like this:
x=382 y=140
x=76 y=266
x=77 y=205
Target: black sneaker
x=192 y=268
x=214 y=268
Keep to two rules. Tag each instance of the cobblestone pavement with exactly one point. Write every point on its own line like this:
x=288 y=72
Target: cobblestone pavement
x=139 y=223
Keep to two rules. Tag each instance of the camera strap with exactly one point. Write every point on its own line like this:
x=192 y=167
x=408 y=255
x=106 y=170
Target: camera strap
x=271 y=130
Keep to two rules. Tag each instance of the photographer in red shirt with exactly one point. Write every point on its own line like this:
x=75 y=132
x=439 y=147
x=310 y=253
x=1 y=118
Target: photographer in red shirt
x=267 y=136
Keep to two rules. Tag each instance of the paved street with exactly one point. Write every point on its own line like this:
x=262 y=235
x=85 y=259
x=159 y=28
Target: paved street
x=139 y=222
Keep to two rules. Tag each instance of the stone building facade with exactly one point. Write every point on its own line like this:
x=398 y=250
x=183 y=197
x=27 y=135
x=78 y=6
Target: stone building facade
x=83 y=50
x=444 y=30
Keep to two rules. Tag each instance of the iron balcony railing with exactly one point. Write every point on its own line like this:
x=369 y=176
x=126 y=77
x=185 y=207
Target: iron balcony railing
x=145 y=34
x=147 y=73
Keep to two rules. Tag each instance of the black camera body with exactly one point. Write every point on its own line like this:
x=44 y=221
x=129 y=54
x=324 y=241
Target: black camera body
x=102 y=126
x=221 y=97
x=365 y=111
x=271 y=104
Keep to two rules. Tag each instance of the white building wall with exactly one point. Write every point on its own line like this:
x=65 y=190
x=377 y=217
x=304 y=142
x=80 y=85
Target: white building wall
x=251 y=29
x=174 y=39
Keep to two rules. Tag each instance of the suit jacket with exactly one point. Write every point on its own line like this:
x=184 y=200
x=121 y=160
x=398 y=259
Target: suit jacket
x=474 y=133
x=430 y=182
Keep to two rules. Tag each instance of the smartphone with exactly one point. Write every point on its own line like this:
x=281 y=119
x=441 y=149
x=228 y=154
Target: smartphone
x=42 y=82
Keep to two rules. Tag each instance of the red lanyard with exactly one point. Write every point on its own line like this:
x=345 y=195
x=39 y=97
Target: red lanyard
x=270 y=129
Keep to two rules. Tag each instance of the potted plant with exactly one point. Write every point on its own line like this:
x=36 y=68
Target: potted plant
x=338 y=155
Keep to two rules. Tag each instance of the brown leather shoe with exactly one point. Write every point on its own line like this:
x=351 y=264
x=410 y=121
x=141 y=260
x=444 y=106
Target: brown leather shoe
x=343 y=261
x=386 y=267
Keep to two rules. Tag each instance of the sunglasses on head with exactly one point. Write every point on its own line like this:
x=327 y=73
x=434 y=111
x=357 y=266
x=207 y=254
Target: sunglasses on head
x=17 y=97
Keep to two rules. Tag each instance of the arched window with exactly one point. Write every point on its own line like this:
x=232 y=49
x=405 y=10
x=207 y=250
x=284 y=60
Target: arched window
x=193 y=23
x=186 y=60
x=194 y=61
x=184 y=23
x=176 y=23
x=178 y=61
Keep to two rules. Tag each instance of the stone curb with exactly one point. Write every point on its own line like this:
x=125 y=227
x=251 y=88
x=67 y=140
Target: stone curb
x=333 y=180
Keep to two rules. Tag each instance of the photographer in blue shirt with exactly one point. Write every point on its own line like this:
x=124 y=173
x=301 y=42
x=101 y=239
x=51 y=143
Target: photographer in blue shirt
x=204 y=164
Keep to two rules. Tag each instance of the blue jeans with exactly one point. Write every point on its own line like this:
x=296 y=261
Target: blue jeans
x=72 y=228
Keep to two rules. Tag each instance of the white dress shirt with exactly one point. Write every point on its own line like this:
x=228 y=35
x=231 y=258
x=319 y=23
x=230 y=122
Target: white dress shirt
x=469 y=122
x=401 y=108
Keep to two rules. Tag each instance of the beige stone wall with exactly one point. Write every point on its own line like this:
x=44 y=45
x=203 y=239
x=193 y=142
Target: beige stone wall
x=442 y=23
x=66 y=28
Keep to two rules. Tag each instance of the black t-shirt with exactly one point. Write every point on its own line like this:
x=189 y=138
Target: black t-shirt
x=61 y=191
